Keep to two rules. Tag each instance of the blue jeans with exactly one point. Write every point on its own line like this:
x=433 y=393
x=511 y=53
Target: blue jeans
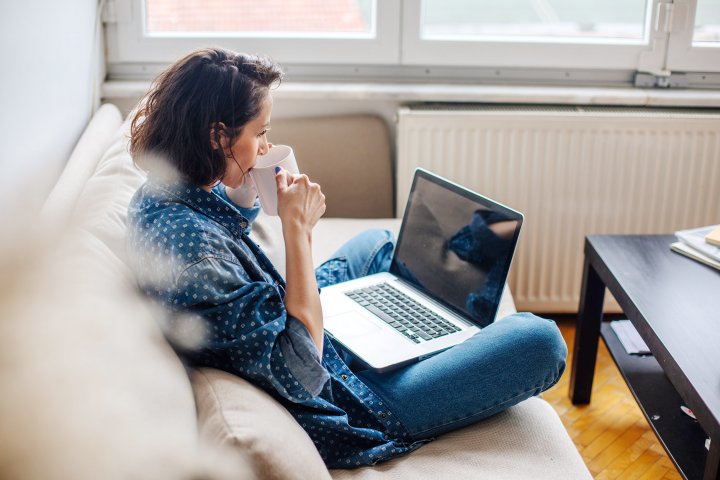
x=505 y=363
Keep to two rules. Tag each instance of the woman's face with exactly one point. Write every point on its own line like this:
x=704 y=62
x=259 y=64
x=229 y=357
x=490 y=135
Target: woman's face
x=251 y=142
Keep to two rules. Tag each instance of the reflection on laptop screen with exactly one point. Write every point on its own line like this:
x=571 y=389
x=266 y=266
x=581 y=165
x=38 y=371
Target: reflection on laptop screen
x=457 y=247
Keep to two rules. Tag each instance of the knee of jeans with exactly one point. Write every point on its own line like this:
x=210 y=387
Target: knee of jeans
x=386 y=238
x=380 y=235
x=543 y=342
x=384 y=244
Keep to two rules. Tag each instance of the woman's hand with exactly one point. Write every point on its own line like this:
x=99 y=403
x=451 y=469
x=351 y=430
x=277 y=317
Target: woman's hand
x=301 y=203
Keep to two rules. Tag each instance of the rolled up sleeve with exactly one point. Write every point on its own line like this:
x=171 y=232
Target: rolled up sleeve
x=302 y=357
x=248 y=331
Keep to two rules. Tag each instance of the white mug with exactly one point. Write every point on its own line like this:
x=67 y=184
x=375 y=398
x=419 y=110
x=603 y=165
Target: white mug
x=263 y=175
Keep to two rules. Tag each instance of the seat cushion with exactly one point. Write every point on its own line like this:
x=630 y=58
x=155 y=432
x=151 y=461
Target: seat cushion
x=527 y=441
x=328 y=236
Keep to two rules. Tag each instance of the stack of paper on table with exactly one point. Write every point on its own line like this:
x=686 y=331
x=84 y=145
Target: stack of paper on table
x=696 y=244
x=713 y=238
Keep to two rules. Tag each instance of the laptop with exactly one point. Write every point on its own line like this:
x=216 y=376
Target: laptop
x=446 y=278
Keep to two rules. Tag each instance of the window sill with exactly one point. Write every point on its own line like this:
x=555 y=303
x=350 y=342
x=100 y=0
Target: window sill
x=407 y=93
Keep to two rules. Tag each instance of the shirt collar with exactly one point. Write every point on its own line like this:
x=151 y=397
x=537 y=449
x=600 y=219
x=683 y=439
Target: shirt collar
x=206 y=203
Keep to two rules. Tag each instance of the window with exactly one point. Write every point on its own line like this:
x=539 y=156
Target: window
x=582 y=34
x=478 y=20
x=270 y=18
x=414 y=36
x=707 y=23
x=694 y=36
x=292 y=31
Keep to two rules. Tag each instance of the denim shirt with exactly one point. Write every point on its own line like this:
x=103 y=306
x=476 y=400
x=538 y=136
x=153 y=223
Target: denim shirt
x=190 y=250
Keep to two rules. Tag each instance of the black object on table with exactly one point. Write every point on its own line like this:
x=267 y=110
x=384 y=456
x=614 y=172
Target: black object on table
x=674 y=304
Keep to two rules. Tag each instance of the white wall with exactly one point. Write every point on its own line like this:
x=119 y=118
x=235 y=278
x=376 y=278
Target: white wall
x=46 y=58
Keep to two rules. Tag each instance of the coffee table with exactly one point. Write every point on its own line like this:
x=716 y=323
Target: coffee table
x=674 y=304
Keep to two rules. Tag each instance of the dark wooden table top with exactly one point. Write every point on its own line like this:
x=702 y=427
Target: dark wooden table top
x=674 y=303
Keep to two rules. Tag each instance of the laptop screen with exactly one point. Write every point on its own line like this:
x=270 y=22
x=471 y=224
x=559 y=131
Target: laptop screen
x=456 y=246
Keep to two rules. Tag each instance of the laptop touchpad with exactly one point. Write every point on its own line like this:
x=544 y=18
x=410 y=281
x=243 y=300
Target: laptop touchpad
x=350 y=324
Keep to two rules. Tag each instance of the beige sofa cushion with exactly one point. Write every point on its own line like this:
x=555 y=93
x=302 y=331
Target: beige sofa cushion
x=527 y=441
x=233 y=412
x=102 y=206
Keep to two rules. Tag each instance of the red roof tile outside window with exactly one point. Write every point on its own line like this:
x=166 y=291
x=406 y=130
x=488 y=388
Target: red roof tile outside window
x=266 y=16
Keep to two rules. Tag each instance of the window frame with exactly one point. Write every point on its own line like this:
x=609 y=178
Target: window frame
x=398 y=51
x=682 y=54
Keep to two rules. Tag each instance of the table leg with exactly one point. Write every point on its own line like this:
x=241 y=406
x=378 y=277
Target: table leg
x=586 y=335
x=712 y=464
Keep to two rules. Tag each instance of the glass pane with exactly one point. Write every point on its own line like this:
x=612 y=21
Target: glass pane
x=475 y=19
x=707 y=22
x=272 y=18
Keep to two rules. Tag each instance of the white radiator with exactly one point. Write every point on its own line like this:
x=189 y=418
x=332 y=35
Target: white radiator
x=572 y=171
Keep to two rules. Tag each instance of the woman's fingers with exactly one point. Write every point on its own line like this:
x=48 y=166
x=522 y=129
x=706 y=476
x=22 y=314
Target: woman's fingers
x=298 y=177
x=281 y=178
x=302 y=199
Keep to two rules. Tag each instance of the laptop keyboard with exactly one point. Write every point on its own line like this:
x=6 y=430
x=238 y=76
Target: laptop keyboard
x=401 y=312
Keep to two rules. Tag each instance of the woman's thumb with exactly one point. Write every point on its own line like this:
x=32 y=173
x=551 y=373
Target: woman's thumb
x=281 y=178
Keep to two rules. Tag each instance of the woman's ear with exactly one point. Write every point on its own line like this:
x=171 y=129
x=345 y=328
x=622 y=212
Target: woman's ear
x=218 y=139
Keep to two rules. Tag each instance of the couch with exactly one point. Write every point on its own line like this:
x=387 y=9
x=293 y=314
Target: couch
x=91 y=388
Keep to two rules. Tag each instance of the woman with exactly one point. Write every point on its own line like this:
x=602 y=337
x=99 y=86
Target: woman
x=198 y=133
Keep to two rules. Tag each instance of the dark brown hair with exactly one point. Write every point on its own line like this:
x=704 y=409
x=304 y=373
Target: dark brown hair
x=191 y=97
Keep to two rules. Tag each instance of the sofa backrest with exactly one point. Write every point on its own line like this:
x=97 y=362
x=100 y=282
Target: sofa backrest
x=349 y=156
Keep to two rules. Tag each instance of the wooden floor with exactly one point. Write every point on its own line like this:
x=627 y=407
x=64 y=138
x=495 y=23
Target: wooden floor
x=611 y=432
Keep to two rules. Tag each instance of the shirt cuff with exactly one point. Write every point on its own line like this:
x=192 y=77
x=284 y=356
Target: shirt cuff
x=302 y=357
